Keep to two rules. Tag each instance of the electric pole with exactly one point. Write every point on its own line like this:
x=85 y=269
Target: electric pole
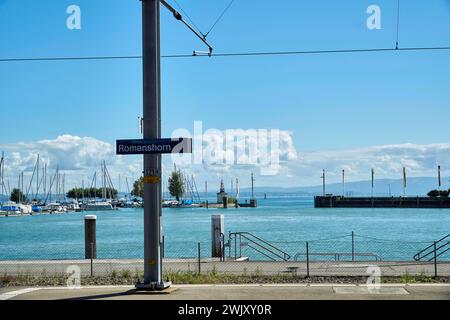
x=152 y=130
x=151 y=74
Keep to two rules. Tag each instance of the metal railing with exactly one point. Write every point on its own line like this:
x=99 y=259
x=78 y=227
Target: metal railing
x=255 y=243
x=434 y=250
x=337 y=255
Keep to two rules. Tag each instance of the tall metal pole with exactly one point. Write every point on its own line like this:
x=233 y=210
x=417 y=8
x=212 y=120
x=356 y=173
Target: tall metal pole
x=323 y=182
x=253 y=192
x=2 y=172
x=152 y=130
x=439 y=180
x=373 y=180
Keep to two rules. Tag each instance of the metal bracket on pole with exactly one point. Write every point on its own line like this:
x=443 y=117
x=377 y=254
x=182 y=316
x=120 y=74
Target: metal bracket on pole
x=201 y=36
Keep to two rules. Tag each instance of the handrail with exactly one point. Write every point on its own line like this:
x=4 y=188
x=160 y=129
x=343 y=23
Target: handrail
x=254 y=240
x=418 y=256
x=284 y=257
x=262 y=240
x=432 y=251
x=264 y=254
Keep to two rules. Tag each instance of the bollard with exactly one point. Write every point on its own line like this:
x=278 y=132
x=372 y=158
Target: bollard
x=90 y=242
x=217 y=230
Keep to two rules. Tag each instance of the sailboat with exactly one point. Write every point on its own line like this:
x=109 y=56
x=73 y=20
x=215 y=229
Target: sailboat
x=104 y=205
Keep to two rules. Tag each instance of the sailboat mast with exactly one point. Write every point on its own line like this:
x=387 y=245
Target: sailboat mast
x=37 y=177
x=2 y=173
x=45 y=178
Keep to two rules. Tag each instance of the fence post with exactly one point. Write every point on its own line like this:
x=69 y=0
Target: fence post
x=235 y=246
x=307 y=259
x=353 y=246
x=222 y=258
x=162 y=247
x=199 y=259
x=92 y=259
x=435 y=261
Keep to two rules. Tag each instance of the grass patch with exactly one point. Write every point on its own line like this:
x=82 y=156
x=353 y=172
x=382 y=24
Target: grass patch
x=212 y=277
x=423 y=277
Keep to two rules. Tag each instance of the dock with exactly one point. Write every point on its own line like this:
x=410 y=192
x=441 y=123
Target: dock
x=331 y=201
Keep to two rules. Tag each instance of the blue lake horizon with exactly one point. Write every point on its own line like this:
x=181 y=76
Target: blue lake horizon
x=285 y=220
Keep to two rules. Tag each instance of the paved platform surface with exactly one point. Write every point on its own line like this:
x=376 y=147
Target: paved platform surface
x=238 y=292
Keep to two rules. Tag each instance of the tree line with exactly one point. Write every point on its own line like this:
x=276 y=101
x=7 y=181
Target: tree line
x=176 y=186
x=78 y=193
x=439 y=193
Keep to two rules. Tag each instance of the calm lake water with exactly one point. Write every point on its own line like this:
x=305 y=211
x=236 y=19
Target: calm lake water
x=287 y=221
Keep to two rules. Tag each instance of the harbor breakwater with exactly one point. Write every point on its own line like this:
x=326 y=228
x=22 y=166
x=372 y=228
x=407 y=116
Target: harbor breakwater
x=331 y=201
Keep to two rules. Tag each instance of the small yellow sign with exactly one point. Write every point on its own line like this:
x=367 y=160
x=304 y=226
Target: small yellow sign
x=151 y=262
x=152 y=179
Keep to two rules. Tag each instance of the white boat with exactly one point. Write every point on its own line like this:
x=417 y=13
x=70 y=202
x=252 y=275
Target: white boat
x=25 y=208
x=97 y=206
x=170 y=203
x=72 y=206
x=54 y=208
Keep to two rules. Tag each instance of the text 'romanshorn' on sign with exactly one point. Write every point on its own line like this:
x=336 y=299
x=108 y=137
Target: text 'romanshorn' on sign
x=154 y=146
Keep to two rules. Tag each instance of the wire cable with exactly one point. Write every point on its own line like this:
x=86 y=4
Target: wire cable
x=69 y=58
x=391 y=240
x=233 y=54
x=220 y=17
x=189 y=18
x=398 y=22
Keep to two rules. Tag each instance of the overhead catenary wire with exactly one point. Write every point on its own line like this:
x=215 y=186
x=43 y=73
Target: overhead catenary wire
x=179 y=17
x=398 y=23
x=231 y=54
x=220 y=17
x=189 y=18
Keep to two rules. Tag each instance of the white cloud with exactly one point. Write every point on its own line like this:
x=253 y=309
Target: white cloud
x=388 y=161
x=79 y=157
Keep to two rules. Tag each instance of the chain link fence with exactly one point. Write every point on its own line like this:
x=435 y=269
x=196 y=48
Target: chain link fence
x=243 y=254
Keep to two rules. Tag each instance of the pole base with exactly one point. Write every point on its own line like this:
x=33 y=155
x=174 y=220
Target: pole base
x=153 y=286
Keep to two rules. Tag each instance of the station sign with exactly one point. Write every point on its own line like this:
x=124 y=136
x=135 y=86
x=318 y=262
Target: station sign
x=154 y=146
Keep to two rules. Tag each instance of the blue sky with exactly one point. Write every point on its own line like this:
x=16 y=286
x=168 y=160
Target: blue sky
x=335 y=101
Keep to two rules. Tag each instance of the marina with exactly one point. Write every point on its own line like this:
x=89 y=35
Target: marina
x=284 y=220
